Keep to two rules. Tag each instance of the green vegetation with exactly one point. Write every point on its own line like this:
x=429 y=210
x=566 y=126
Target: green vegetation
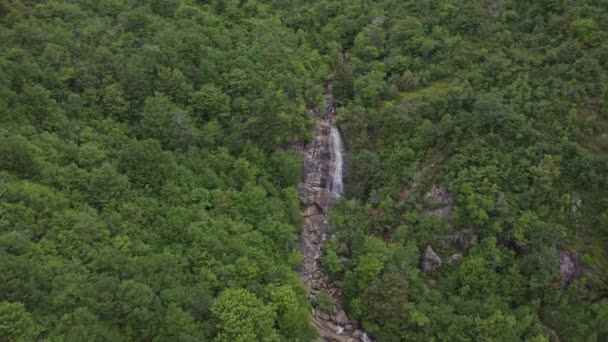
x=500 y=106
x=147 y=192
x=144 y=193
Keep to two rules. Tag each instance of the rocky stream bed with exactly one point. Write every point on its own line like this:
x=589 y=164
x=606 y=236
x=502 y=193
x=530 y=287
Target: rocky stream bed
x=321 y=187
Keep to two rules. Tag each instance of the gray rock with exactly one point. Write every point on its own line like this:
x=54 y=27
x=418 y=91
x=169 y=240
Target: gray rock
x=577 y=204
x=441 y=201
x=340 y=317
x=500 y=200
x=342 y=248
x=378 y=21
x=463 y=240
x=430 y=260
x=358 y=333
x=323 y=315
x=454 y=258
x=346 y=262
x=570 y=267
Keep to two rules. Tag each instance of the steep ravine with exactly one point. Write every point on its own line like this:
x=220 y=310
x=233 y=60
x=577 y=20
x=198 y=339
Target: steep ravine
x=321 y=187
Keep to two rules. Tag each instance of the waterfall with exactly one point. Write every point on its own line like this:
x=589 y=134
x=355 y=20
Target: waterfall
x=322 y=186
x=336 y=187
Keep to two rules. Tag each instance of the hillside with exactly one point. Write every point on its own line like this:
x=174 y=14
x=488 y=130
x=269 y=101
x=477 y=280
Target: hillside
x=153 y=181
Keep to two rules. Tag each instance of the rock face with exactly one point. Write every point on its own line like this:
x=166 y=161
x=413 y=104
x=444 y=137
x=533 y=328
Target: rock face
x=463 y=240
x=456 y=257
x=316 y=198
x=321 y=187
x=570 y=267
x=441 y=201
x=430 y=260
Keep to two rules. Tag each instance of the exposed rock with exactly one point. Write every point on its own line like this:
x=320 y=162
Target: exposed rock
x=321 y=187
x=361 y=335
x=430 y=260
x=340 y=317
x=454 y=258
x=342 y=248
x=570 y=268
x=441 y=202
x=323 y=315
x=346 y=262
x=378 y=21
x=500 y=200
x=311 y=210
x=577 y=204
x=463 y=240
x=494 y=7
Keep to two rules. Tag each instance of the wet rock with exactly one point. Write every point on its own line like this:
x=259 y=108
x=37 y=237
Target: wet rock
x=358 y=333
x=340 y=317
x=319 y=190
x=430 y=260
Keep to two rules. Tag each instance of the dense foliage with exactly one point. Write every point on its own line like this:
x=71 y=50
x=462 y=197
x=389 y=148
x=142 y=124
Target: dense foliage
x=146 y=191
x=500 y=106
x=143 y=191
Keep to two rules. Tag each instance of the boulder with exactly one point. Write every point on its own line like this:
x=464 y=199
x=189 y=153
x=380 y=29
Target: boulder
x=339 y=317
x=570 y=268
x=430 y=260
x=322 y=315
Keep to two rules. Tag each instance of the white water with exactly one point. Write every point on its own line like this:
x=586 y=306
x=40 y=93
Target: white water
x=336 y=155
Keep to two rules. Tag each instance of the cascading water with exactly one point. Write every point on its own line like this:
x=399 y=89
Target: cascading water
x=322 y=185
x=336 y=187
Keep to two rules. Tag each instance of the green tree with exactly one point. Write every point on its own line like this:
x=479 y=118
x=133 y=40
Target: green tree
x=146 y=164
x=292 y=317
x=178 y=325
x=241 y=316
x=210 y=103
x=16 y=324
x=17 y=155
x=586 y=30
x=166 y=122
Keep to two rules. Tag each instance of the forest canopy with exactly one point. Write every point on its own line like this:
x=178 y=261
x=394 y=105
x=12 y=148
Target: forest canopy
x=149 y=184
